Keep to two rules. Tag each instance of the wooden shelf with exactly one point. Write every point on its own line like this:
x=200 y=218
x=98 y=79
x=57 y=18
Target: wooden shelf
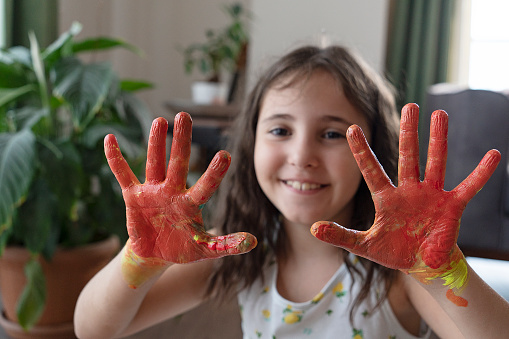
x=216 y=112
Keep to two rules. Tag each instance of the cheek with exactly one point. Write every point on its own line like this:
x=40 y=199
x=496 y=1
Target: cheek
x=348 y=172
x=267 y=162
x=263 y=161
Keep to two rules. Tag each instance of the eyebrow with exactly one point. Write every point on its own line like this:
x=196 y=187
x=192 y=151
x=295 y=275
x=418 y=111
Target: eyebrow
x=326 y=118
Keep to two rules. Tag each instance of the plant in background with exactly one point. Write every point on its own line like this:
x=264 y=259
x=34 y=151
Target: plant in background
x=222 y=48
x=55 y=186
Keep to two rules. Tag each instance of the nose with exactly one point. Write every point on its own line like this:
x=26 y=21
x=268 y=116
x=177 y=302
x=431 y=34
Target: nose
x=303 y=153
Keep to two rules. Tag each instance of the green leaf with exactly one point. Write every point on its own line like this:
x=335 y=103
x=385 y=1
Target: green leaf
x=38 y=67
x=83 y=87
x=138 y=111
x=130 y=148
x=17 y=153
x=57 y=49
x=16 y=55
x=33 y=298
x=36 y=217
x=8 y=95
x=135 y=85
x=30 y=117
x=103 y=43
x=12 y=75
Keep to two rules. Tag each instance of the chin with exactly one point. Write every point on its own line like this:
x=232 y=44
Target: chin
x=307 y=220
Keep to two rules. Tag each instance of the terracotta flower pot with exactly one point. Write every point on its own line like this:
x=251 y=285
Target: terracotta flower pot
x=66 y=275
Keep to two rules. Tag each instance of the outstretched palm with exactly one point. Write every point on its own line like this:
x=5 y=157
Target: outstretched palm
x=417 y=223
x=164 y=219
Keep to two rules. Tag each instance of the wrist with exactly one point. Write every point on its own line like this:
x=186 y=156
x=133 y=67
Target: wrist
x=137 y=270
x=452 y=276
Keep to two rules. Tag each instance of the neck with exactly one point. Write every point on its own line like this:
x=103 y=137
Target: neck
x=302 y=246
x=305 y=257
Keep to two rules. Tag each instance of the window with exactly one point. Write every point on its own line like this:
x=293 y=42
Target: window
x=3 y=22
x=488 y=66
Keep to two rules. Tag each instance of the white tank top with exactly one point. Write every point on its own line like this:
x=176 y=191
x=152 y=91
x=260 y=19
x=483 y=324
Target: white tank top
x=265 y=314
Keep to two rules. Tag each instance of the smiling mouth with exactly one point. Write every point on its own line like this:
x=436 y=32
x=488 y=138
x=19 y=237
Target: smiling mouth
x=302 y=186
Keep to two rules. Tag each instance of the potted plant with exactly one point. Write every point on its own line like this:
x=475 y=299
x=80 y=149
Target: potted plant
x=56 y=190
x=222 y=50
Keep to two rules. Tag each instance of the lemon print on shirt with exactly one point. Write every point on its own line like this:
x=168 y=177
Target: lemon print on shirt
x=357 y=334
x=266 y=314
x=290 y=316
x=338 y=290
x=317 y=298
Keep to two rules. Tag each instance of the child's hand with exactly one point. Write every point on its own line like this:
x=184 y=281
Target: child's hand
x=164 y=219
x=417 y=223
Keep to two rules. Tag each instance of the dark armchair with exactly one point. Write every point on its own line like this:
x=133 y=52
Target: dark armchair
x=478 y=122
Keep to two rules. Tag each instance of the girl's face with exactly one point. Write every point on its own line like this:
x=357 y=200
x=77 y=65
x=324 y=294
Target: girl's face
x=302 y=159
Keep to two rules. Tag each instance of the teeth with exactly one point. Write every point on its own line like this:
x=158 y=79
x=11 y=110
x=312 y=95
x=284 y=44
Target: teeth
x=302 y=186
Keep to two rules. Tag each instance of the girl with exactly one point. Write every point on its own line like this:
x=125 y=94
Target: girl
x=292 y=166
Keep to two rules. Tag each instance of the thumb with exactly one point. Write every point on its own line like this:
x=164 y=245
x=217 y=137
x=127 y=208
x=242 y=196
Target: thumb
x=231 y=244
x=337 y=235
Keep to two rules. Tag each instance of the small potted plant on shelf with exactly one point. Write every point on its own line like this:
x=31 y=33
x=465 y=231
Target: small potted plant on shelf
x=57 y=194
x=222 y=51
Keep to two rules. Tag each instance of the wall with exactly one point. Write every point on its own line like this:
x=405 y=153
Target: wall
x=283 y=24
x=159 y=26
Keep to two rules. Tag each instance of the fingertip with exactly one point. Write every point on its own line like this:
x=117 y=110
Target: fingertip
x=160 y=121
x=354 y=132
x=493 y=157
x=319 y=229
x=182 y=127
x=109 y=141
x=250 y=242
x=495 y=153
x=410 y=116
x=183 y=116
x=439 y=124
x=222 y=154
x=440 y=113
x=221 y=162
x=159 y=128
x=410 y=106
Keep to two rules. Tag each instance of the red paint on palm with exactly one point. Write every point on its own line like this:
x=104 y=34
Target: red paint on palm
x=416 y=223
x=164 y=218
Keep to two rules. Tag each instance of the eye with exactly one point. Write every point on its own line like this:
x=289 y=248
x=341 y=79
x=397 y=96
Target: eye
x=279 y=131
x=333 y=135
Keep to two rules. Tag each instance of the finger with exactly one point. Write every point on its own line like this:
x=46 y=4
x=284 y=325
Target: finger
x=231 y=244
x=480 y=175
x=180 y=151
x=201 y=192
x=117 y=163
x=408 y=166
x=337 y=235
x=156 y=152
x=372 y=171
x=437 y=149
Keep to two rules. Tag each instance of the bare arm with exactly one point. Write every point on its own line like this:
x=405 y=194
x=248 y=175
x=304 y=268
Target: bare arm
x=176 y=290
x=148 y=281
x=417 y=223
x=478 y=320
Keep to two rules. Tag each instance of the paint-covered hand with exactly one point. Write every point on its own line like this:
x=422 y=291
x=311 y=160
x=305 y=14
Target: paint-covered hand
x=417 y=223
x=164 y=219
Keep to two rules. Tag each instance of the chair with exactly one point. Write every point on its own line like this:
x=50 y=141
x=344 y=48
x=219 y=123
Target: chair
x=478 y=122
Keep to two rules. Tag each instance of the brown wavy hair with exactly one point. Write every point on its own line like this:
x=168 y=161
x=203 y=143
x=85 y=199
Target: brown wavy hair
x=241 y=204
